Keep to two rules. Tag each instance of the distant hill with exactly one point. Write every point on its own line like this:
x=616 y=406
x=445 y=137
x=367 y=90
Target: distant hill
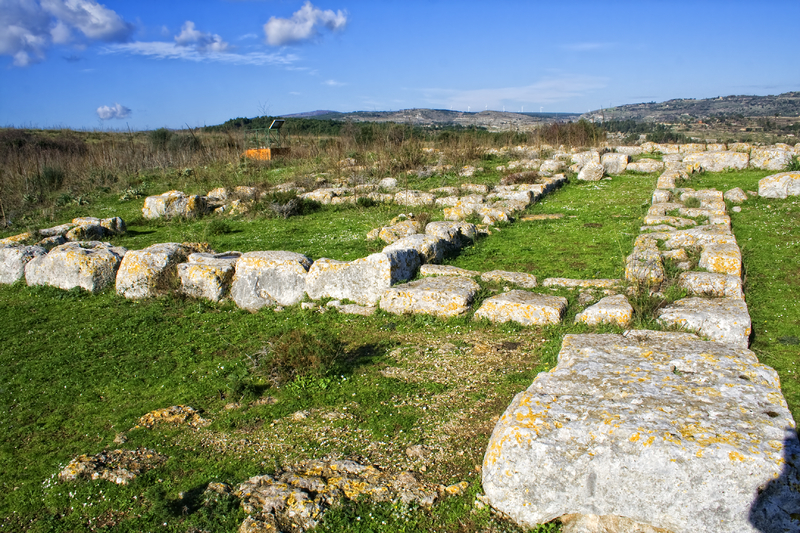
x=491 y=120
x=672 y=111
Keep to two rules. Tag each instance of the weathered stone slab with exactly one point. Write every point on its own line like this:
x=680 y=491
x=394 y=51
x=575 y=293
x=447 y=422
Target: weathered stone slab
x=697 y=236
x=740 y=147
x=493 y=213
x=628 y=150
x=610 y=310
x=430 y=248
x=582 y=158
x=173 y=204
x=718 y=161
x=152 y=271
x=569 y=283
x=661 y=197
x=475 y=188
x=780 y=185
x=725 y=258
x=90 y=265
x=269 y=278
x=456 y=234
x=661 y=209
x=711 y=284
x=447 y=201
x=591 y=171
x=446 y=270
x=13 y=260
x=706 y=196
x=390 y=234
x=381 y=197
x=521 y=279
x=364 y=280
x=770 y=157
x=387 y=183
x=550 y=167
x=646 y=166
x=324 y=196
x=208 y=275
x=719 y=319
x=444 y=296
x=614 y=164
x=661 y=429
x=523 y=307
x=676 y=255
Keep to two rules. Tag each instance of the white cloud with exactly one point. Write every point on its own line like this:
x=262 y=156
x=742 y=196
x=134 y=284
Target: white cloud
x=546 y=91
x=304 y=25
x=333 y=83
x=116 y=111
x=167 y=50
x=28 y=28
x=200 y=41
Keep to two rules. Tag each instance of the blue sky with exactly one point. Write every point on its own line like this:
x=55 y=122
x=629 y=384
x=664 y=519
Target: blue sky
x=146 y=64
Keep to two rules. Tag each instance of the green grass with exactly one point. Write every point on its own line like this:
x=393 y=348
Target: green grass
x=79 y=369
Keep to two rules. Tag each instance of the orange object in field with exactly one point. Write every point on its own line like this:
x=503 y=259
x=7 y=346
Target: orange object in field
x=265 y=154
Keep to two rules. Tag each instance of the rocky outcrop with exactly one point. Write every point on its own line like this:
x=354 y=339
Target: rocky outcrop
x=116 y=466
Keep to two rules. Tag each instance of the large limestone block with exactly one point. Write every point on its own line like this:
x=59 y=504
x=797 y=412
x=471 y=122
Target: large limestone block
x=740 y=147
x=550 y=167
x=456 y=234
x=697 y=236
x=719 y=319
x=711 y=284
x=521 y=279
x=523 y=307
x=525 y=197
x=446 y=270
x=660 y=197
x=716 y=147
x=735 y=195
x=152 y=271
x=363 y=280
x=29 y=237
x=646 y=166
x=724 y=258
x=269 y=278
x=628 y=150
x=609 y=310
x=495 y=213
x=780 y=185
x=208 y=275
x=718 y=161
x=770 y=157
x=667 y=148
x=447 y=201
x=706 y=196
x=661 y=429
x=444 y=296
x=13 y=260
x=430 y=249
x=414 y=198
x=591 y=171
x=90 y=265
x=475 y=188
x=614 y=164
x=324 y=196
x=173 y=204
x=390 y=234
x=582 y=158
x=692 y=148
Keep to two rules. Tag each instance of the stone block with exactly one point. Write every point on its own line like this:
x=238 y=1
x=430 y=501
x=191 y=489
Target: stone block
x=609 y=310
x=591 y=171
x=725 y=258
x=770 y=157
x=568 y=283
x=456 y=234
x=414 y=198
x=711 y=284
x=447 y=201
x=716 y=147
x=444 y=296
x=735 y=195
x=324 y=196
x=390 y=234
x=90 y=265
x=364 y=280
x=173 y=204
x=523 y=307
x=431 y=249
x=521 y=279
x=446 y=270
x=691 y=148
x=644 y=265
x=614 y=164
x=718 y=161
x=628 y=150
x=582 y=158
x=152 y=271
x=551 y=167
x=720 y=319
x=208 y=275
x=646 y=166
x=648 y=430
x=269 y=278
x=475 y=188
x=660 y=197
x=780 y=185
x=740 y=147
x=13 y=260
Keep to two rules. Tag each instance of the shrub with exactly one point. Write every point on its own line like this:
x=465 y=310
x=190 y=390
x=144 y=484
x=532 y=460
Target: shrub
x=299 y=354
x=218 y=226
x=159 y=138
x=51 y=177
